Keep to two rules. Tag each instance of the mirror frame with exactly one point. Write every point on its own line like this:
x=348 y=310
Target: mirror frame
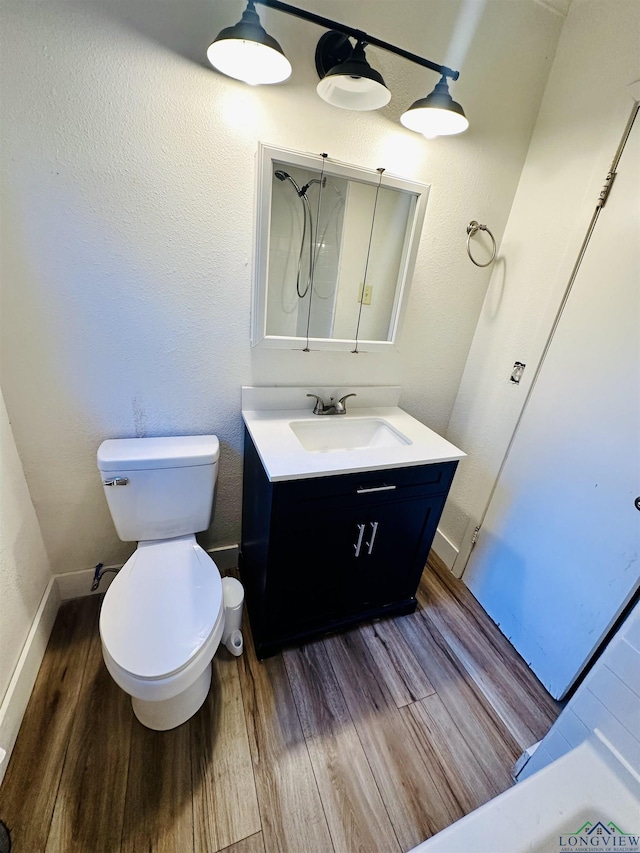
x=266 y=154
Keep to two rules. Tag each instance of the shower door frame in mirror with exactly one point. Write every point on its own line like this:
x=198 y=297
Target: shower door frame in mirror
x=411 y=205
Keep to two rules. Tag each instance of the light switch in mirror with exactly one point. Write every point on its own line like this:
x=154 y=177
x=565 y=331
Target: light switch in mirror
x=335 y=251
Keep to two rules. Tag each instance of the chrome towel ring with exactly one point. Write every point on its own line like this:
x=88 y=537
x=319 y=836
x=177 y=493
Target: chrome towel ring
x=472 y=228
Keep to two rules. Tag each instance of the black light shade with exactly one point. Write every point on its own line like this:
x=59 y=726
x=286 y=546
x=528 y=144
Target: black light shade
x=247 y=52
x=354 y=84
x=437 y=114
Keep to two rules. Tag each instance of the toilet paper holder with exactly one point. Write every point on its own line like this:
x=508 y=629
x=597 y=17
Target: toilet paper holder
x=233 y=601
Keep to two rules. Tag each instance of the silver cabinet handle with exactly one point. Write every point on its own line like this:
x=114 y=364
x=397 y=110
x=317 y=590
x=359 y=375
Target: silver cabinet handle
x=116 y=481
x=358 y=544
x=374 y=530
x=375 y=489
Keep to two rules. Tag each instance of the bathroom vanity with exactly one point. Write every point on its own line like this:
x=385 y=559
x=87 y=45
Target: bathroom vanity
x=333 y=535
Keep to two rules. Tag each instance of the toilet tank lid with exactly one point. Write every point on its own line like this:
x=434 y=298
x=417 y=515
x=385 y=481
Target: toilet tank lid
x=138 y=454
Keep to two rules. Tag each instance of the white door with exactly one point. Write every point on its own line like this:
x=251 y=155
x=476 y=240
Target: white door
x=557 y=556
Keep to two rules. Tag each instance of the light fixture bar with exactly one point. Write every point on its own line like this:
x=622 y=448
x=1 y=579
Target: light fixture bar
x=359 y=35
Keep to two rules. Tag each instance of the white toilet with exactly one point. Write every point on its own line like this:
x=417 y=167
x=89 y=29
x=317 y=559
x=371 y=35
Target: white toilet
x=163 y=616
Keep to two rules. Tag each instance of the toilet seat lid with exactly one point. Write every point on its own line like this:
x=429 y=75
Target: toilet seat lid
x=161 y=607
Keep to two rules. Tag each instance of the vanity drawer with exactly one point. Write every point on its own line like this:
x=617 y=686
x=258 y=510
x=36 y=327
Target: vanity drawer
x=419 y=480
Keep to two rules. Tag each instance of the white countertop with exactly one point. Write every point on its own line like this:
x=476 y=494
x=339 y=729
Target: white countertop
x=284 y=457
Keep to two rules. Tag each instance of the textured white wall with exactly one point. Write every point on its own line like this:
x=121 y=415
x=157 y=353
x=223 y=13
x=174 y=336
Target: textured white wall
x=24 y=566
x=128 y=213
x=582 y=117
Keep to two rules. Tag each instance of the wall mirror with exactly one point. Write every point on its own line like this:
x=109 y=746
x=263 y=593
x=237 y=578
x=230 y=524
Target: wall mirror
x=335 y=249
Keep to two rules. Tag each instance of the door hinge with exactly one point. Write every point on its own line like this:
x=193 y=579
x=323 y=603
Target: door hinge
x=606 y=189
x=474 y=538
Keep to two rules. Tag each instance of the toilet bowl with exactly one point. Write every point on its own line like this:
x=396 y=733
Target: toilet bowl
x=160 y=625
x=163 y=616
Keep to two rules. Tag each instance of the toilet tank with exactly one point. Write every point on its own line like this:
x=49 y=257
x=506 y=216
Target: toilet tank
x=158 y=488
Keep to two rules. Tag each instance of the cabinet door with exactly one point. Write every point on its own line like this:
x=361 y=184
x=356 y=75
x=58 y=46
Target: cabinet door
x=334 y=558
x=396 y=543
x=313 y=553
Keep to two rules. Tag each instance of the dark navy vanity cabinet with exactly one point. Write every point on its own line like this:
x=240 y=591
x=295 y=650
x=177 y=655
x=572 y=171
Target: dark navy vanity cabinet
x=327 y=552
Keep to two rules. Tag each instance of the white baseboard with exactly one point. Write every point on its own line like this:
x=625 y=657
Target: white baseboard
x=15 y=700
x=226 y=557
x=445 y=549
x=78 y=584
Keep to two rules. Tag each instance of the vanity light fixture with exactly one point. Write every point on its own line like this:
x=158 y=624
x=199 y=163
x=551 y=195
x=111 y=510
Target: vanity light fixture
x=437 y=114
x=247 y=52
x=349 y=83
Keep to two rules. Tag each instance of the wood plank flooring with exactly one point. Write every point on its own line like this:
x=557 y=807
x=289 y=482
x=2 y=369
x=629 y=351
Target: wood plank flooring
x=370 y=740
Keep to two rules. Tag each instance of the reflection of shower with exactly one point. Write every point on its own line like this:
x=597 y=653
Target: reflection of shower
x=306 y=213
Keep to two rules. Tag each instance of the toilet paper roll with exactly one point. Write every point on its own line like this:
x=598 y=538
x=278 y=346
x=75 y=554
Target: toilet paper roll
x=235 y=643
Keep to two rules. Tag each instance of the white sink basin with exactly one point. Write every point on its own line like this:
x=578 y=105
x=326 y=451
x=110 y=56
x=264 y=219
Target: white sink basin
x=375 y=434
x=337 y=432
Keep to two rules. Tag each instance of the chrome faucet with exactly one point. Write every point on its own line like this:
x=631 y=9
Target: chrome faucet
x=330 y=408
